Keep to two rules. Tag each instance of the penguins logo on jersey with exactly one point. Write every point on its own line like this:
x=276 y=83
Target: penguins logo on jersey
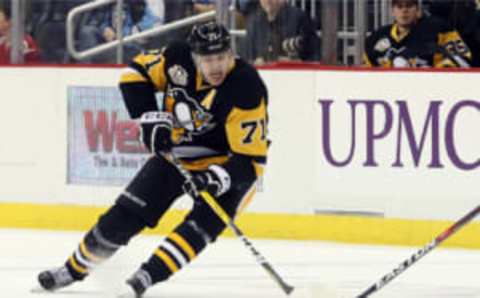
x=402 y=58
x=382 y=45
x=192 y=118
x=178 y=74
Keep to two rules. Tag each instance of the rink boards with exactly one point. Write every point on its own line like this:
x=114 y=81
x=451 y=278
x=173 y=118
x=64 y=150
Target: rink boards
x=357 y=156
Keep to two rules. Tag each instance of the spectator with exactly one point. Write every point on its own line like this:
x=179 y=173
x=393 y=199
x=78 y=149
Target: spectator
x=278 y=31
x=49 y=28
x=201 y=6
x=137 y=17
x=29 y=47
x=174 y=10
x=158 y=9
x=245 y=10
x=415 y=41
x=464 y=16
x=246 y=7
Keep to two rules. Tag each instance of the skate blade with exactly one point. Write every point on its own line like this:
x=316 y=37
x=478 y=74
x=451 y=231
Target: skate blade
x=124 y=292
x=38 y=289
x=125 y=295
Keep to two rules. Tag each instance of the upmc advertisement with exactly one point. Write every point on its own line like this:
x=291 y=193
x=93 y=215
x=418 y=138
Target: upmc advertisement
x=396 y=140
x=393 y=120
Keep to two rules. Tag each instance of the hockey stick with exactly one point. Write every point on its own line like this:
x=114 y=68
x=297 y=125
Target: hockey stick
x=212 y=202
x=456 y=59
x=420 y=253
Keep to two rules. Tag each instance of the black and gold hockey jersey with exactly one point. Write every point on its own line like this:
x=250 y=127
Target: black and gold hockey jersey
x=430 y=43
x=228 y=123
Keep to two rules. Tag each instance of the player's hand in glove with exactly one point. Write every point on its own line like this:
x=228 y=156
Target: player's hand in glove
x=215 y=181
x=156 y=131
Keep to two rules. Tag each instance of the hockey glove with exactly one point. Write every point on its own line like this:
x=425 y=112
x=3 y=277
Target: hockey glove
x=215 y=181
x=156 y=131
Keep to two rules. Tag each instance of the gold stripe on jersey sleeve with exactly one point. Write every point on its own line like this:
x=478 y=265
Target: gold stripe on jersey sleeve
x=446 y=37
x=202 y=164
x=167 y=260
x=184 y=245
x=132 y=76
x=246 y=130
x=442 y=62
x=452 y=38
x=154 y=66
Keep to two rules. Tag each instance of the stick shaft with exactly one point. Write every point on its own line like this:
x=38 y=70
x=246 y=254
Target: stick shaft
x=420 y=253
x=212 y=202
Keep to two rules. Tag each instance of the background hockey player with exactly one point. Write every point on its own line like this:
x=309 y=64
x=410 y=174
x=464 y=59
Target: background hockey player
x=415 y=41
x=214 y=120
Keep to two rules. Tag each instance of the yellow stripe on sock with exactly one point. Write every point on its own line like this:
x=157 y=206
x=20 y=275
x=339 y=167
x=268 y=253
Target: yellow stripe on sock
x=167 y=260
x=187 y=248
x=76 y=266
x=85 y=252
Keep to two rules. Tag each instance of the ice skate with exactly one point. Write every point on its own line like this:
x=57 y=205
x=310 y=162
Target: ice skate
x=139 y=282
x=55 y=279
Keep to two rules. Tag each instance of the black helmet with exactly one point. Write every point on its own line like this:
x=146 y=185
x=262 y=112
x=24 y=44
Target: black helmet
x=209 y=38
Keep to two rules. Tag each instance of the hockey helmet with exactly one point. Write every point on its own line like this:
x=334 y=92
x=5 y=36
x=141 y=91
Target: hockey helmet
x=209 y=38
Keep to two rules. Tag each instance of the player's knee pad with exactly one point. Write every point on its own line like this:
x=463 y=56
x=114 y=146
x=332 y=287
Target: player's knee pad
x=113 y=230
x=97 y=246
x=118 y=225
x=206 y=223
x=153 y=190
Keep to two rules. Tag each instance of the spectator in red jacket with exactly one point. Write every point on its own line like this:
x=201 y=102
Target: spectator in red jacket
x=29 y=48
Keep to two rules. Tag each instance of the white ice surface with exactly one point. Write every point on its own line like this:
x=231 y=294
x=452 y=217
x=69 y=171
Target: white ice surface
x=227 y=269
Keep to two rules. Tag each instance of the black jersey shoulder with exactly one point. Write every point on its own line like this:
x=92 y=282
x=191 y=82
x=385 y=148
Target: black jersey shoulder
x=178 y=52
x=244 y=86
x=380 y=33
x=376 y=36
x=433 y=24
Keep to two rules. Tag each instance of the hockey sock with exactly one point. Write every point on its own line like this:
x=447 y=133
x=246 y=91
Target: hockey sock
x=114 y=229
x=176 y=251
x=92 y=251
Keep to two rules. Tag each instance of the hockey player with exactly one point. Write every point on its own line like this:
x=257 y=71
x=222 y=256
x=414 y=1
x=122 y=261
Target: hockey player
x=214 y=120
x=415 y=41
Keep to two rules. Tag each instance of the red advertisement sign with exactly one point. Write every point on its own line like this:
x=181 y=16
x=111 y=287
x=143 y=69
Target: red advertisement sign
x=103 y=145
